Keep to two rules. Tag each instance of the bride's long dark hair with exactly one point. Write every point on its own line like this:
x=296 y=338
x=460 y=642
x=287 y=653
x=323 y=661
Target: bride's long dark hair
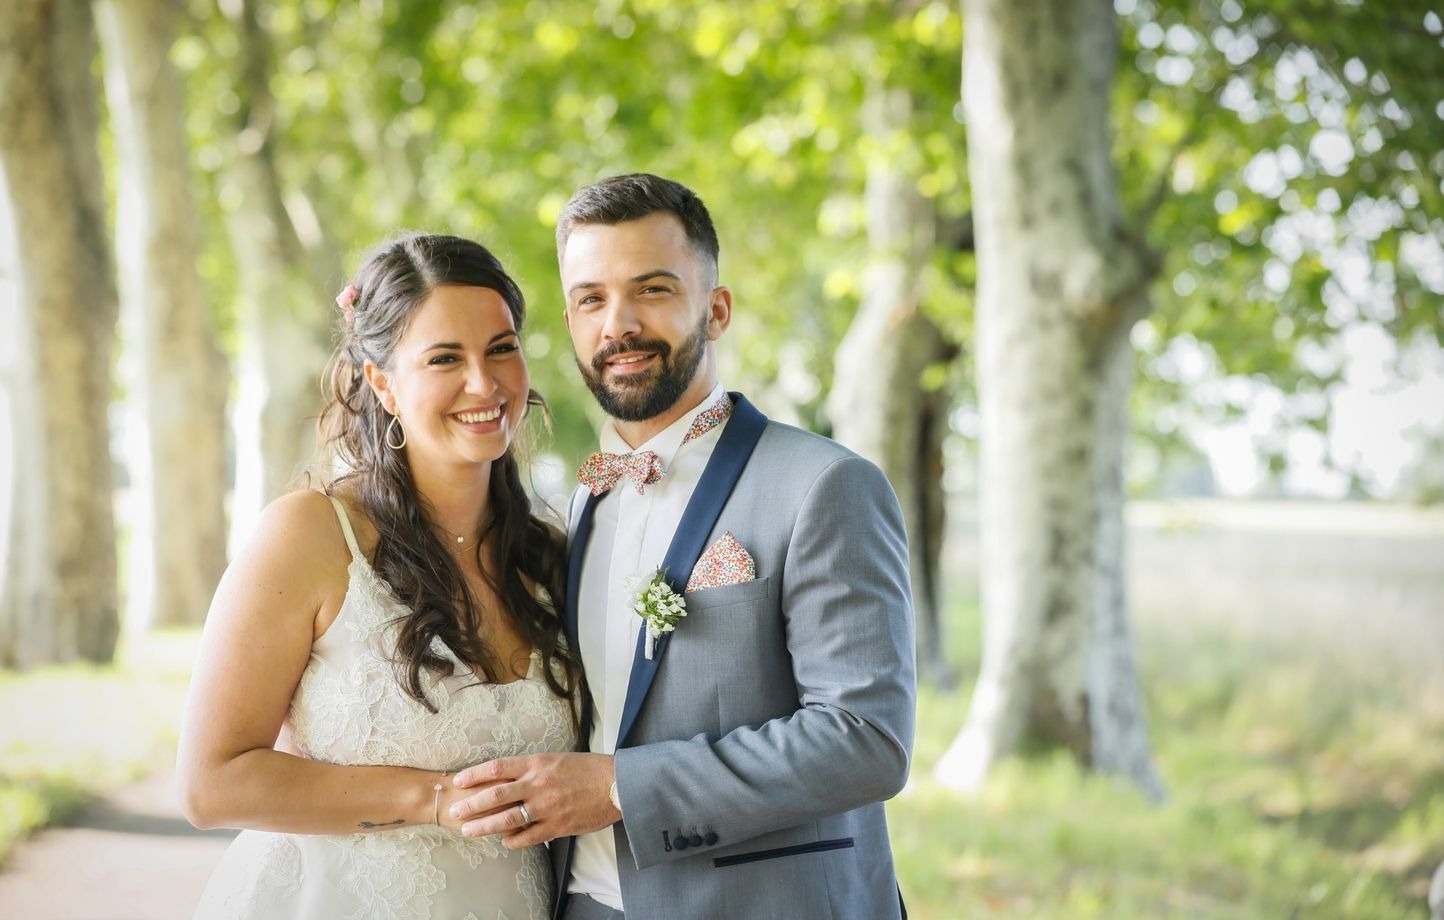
x=524 y=552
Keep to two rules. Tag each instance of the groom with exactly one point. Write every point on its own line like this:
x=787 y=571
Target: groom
x=739 y=762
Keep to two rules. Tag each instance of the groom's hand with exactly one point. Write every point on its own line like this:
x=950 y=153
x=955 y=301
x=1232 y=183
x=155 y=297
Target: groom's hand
x=565 y=794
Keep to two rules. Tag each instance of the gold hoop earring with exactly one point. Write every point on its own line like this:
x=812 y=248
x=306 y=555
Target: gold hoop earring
x=395 y=420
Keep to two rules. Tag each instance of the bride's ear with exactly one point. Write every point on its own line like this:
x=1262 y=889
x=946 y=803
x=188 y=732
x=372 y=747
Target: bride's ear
x=380 y=383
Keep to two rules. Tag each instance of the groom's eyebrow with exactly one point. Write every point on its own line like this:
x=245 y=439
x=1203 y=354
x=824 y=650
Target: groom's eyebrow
x=659 y=273
x=636 y=279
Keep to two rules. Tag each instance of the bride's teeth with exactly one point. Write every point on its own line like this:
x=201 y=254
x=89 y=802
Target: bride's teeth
x=473 y=418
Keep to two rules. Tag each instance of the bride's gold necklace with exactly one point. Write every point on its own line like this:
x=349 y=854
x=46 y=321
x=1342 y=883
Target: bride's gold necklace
x=460 y=538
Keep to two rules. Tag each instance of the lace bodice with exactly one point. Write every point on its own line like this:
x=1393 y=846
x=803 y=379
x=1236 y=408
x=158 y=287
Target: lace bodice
x=349 y=708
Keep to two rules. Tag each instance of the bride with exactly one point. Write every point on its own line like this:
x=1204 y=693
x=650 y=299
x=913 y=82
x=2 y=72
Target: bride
x=392 y=628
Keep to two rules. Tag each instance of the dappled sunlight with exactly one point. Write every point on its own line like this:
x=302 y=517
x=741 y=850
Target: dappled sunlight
x=1292 y=788
x=1136 y=304
x=76 y=731
x=1304 y=760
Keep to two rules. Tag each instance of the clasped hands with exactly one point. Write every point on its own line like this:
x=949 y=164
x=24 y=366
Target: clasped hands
x=564 y=795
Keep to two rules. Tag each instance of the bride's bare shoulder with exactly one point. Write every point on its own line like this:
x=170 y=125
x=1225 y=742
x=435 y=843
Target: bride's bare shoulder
x=303 y=525
x=347 y=493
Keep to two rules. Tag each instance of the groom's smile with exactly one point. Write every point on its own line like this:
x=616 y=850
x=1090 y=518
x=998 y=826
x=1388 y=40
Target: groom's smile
x=633 y=364
x=638 y=379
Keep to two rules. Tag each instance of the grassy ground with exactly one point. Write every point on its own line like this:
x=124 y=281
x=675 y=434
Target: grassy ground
x=72 y=732
x=1303 y=783
x=1306 y=779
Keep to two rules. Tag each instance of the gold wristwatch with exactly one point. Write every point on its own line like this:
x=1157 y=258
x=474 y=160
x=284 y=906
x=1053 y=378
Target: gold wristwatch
x=616 y=799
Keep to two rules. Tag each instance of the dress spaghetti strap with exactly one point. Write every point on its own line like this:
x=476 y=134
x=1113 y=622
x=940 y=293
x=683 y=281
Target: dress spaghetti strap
x=346 y=527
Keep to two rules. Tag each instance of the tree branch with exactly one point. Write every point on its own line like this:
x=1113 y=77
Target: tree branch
x=1155 y=199
x=956 y=233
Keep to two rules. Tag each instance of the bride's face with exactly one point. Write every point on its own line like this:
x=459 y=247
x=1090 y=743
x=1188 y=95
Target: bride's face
x=457 y=380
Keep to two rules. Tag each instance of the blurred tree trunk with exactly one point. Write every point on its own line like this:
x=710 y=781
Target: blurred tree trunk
x=878 y=405
x=64 y=520
x=25 y=631
x=1060 y=283
x=927 y=533
x=1436 y=894
x=177 y=445
x=284 y=316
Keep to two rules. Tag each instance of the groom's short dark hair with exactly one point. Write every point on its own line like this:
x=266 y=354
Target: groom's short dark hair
x=637 y=195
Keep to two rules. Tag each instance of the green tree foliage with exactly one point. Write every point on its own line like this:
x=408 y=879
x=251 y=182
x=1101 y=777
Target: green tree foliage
x=1232 y=121
x=1286 y=157
x=482 y=118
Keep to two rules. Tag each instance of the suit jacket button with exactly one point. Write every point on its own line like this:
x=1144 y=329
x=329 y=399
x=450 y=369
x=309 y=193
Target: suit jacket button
x=681 y=842
x=694 y=841
x=710 y=839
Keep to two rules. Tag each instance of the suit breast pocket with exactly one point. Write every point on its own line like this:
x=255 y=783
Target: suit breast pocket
x=728 y=595
x=723 y=623
x=730 y=619
x=734 y=641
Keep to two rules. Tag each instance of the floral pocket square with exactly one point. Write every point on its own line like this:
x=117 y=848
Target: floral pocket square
x=725 y=562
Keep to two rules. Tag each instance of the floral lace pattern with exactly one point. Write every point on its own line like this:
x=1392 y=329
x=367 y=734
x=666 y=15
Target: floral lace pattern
x=350 y=709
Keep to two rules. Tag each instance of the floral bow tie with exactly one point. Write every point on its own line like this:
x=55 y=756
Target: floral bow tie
x=602 y=471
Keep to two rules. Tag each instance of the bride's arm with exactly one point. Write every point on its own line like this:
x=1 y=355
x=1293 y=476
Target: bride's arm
x=256 y=644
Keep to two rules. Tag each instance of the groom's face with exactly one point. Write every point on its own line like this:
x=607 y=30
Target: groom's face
x=642 y=311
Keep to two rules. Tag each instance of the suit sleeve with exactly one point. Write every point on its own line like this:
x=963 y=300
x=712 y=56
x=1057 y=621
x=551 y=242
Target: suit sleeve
x=849 y=627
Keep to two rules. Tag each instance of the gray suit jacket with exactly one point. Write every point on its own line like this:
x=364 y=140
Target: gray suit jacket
x=781 y=712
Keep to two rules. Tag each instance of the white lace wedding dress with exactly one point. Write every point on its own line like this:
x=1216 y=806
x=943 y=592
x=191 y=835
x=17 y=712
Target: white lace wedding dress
x=350 y=709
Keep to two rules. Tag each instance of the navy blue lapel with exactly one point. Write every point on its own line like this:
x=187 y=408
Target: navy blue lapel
x=724 y=468
x=575 y=554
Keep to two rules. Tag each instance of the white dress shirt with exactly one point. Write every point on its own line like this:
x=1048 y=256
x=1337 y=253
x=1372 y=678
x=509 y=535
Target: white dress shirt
x=630 y=536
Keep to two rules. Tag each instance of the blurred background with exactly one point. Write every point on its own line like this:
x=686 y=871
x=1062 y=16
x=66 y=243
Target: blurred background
x=1142 y=316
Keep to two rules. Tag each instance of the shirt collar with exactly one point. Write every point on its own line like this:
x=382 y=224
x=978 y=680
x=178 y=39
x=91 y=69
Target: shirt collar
x=666 y=442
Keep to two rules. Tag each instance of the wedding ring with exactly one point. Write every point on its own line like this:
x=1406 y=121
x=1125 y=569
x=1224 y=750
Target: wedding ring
x=525 y=815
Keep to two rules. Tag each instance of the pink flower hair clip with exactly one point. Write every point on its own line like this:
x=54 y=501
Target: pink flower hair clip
x=346 y=300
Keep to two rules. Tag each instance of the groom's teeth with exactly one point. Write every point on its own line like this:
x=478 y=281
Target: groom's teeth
x=632 y=360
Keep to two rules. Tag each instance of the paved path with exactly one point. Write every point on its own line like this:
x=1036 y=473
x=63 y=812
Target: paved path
x=128 y=856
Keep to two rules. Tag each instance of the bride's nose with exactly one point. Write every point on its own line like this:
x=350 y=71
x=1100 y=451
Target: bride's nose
x=479 y=379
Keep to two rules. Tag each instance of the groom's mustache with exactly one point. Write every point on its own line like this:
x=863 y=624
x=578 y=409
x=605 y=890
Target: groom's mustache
x=658 y=347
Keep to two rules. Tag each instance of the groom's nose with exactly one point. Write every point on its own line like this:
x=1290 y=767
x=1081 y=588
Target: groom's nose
x=621 y=320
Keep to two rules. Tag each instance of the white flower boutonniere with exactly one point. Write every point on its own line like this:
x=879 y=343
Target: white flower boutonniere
x=657 y=604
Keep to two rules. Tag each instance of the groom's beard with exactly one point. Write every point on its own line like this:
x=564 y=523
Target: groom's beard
x=638 y=397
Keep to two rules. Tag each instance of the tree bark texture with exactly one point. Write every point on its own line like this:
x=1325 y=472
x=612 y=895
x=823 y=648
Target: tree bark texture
x=1059 y=286
x=48 y=145
x=877 y=404
x=178 y=378
x=284 y=317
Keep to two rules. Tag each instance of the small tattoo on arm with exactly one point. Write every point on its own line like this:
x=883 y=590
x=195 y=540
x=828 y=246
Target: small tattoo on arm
x=372 y=824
